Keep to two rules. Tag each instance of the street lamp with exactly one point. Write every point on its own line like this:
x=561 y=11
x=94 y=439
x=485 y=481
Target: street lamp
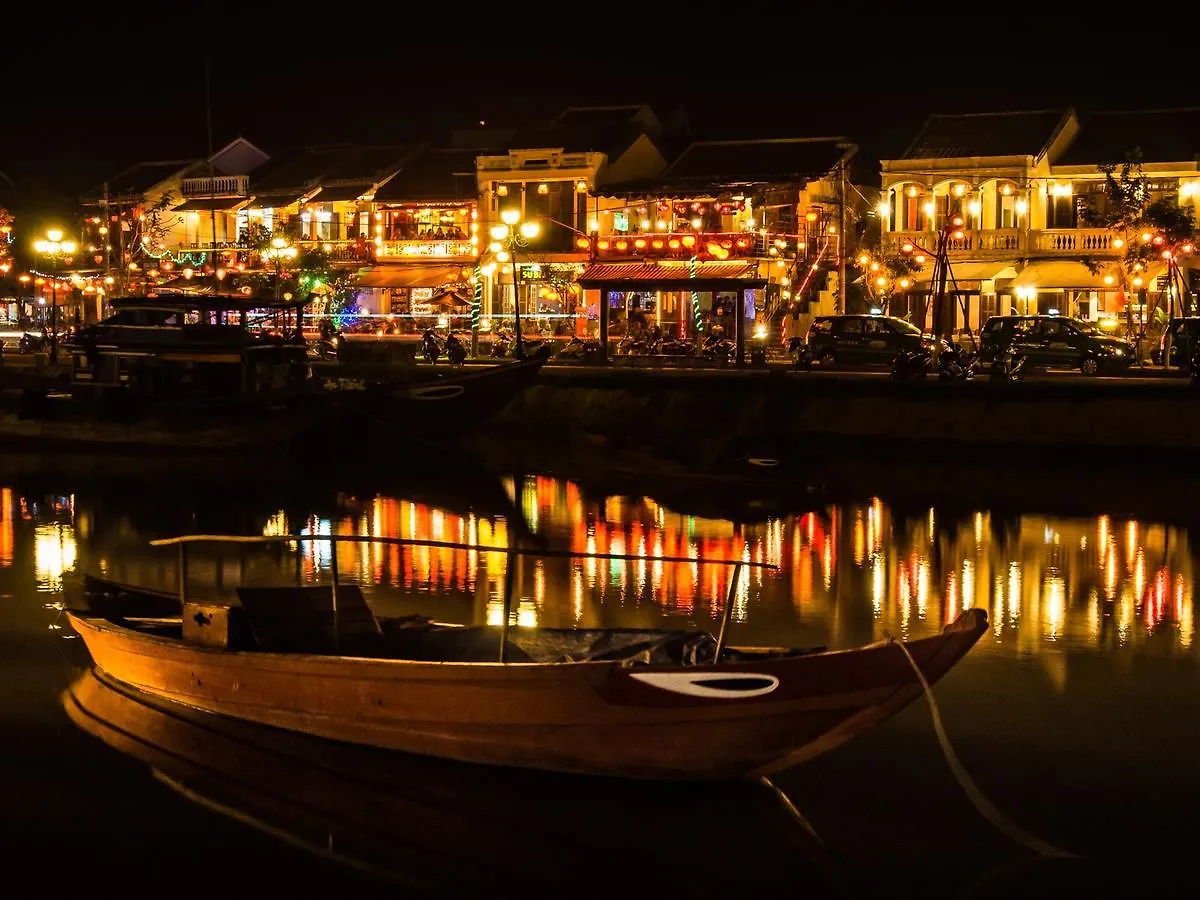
x=506 y=239
x=279 y=251
x=56 y=249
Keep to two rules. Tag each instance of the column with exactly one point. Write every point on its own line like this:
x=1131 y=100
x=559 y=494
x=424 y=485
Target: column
x=739 y=327
x=603 y=324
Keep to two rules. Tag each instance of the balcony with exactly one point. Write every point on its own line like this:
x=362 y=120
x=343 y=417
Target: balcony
x=1073 y=241
x=1000 y=242
x=217 y=186
x=420 y=250
x=685 y=245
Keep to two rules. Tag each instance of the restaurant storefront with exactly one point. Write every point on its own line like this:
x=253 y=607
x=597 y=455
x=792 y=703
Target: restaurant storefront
x=675 y=295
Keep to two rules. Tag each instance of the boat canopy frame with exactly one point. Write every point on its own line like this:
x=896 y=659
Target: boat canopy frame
x=513 y=553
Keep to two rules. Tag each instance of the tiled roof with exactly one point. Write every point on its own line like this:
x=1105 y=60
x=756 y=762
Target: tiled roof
x=1163 y=135
x=780 y=159
x=333 y=192
x=433 y=175
x=986 y=134
x=594 y=116
x=301 y=168
x=371 y=163
x=140 y=177
x=610 y=139
x=652 y=273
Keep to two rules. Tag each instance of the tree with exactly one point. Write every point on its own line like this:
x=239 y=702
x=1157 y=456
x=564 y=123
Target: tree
x=1147 y=230
x=6 y=239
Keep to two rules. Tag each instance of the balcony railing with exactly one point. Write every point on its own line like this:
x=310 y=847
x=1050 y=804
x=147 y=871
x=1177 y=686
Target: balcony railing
x=989 y=242
x=436 y=249
x=217 y=186
x=684 y=245
x=1074 y=240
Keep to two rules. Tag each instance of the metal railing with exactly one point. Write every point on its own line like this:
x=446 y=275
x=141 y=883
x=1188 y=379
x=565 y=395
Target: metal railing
x=183 y=541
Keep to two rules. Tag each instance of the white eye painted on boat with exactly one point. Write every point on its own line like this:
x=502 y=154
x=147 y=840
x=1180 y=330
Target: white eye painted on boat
x=731 y=686
x=436 y=392
x=762 y=461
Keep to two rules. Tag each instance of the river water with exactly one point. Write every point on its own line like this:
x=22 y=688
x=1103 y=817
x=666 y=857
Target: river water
x=1074 y=722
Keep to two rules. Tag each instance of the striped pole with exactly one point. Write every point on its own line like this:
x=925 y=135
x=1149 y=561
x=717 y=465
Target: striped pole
x=476 y=308
x=692 y=267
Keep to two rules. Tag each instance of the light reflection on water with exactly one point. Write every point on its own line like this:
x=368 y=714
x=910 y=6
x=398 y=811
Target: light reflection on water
x=846 y=573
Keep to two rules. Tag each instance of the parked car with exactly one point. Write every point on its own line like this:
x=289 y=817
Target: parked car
x=1185 y=338
x=1055 y=342
x=862 y=339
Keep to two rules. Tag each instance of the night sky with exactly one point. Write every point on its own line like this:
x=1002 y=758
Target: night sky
x=74 y=125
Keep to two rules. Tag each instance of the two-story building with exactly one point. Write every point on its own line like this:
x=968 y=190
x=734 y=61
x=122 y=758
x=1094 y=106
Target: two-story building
x=321 y=197
x=1027 y=187
x=545 y=185
x=732 y=231
x=168 y=215
x=424 y=241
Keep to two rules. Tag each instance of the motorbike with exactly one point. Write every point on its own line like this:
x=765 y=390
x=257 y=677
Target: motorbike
x=323 y=349
x=912 y=364
x=956 y=364
x=455 y=351
x=1007 y=366
x=714 y=346
x=432 y=346
x=580 y=349
x=801 y=354
x=34 y=343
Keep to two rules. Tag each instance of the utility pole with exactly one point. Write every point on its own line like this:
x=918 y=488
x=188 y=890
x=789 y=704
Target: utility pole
x=842 y=293
x=212 y=182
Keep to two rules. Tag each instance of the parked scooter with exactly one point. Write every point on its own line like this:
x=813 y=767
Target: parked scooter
x=1007 y=366
x=455 y=351
x=34 y=343
x=432 y=346
x=956 y=364
x=579 y=349
x=912 y=364
x=801 y=354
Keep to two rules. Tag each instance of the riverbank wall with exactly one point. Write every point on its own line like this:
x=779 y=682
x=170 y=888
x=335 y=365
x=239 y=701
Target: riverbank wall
x=1130 y=419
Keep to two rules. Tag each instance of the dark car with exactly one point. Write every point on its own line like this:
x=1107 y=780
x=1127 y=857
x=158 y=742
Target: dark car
x=1185 y=337
x=861 y=339
x=1055 y=342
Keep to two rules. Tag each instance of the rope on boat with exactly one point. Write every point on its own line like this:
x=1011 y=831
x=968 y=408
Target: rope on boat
x=986 y=808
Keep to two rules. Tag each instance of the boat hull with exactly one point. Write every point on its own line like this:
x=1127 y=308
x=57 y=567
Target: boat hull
x=588 y=717
x=435 y=406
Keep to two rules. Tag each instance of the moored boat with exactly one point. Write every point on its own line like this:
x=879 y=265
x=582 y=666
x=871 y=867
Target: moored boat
x=641 y=703
x=436 y=405
x=446 y=828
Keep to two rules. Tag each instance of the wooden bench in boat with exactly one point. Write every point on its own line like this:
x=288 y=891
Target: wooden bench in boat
x=287 y=620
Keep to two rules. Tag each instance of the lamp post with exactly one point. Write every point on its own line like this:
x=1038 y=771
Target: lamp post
x=56 y=249
x=278 y=252
x=506 y=238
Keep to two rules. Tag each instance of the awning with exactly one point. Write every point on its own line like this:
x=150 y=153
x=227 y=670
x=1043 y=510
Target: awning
x=709 y=276
x=274 y=201
x=410 y=276
x=220 y=204
x=1065 y=274
x=337 y=192
x=967 y=275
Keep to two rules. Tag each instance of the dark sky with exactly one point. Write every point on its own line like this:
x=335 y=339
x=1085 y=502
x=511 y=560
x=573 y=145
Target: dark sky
x=82 y=118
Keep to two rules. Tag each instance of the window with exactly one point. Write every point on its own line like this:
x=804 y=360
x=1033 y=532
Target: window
x=851 y=327
x=1006 y=210
x=901 y=326
x=821 y=326
x=911 y=212
x=1060 y=212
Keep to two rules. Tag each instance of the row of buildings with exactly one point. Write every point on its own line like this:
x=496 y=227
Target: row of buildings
x=603 y=216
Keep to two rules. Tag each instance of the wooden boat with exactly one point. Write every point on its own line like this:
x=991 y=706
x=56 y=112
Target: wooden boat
x=446 y=828
x=438 y=405
x=629 y=702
